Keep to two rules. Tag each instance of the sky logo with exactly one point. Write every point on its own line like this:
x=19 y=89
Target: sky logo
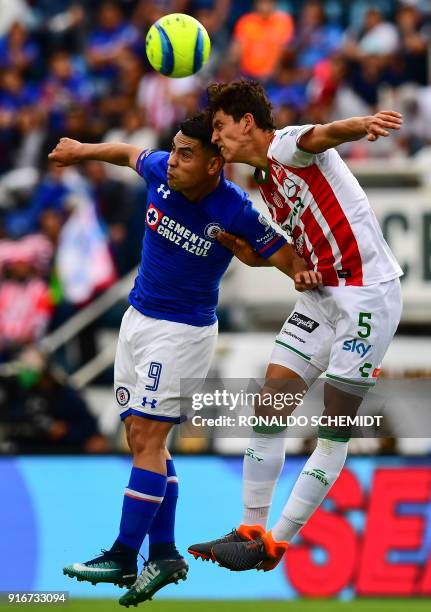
x=356 y=346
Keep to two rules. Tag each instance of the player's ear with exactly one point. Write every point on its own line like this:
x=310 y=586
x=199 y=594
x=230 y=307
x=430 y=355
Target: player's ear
x=215 y=165
x=248 y=122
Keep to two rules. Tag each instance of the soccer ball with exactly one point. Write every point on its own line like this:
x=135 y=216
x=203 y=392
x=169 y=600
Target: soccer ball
x=177 y=45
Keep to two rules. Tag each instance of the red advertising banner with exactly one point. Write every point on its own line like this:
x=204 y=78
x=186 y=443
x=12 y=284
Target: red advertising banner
x=371 y=563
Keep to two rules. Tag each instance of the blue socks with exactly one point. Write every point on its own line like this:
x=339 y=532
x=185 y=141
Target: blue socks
x=143 y=498
x=162 y=530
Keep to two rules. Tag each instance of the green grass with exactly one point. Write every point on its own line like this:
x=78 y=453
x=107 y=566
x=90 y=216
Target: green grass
x=316 y=605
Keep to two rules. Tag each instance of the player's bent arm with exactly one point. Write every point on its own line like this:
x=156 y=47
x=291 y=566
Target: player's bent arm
x=324 y=137
x=288 y=262
x=285 y=259
x=242 y=250
x=68 y=152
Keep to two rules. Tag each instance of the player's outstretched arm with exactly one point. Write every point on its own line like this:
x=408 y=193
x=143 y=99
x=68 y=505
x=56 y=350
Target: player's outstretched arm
x=323 y=137
x=68 y=152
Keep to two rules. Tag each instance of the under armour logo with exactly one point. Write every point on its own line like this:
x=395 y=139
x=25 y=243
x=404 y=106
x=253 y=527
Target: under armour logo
x=153 y=402
x=162 y=190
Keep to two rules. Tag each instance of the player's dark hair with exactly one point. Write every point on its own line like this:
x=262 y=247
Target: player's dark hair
x=240 y=97
x=199 y=127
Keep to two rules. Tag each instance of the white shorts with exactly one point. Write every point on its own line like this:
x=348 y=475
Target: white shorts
x=344 y=331
x=152 y=357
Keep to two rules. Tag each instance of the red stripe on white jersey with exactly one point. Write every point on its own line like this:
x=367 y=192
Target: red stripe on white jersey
x=336 y=219
x=322 y=249
x=277 y=205
x=297 y=233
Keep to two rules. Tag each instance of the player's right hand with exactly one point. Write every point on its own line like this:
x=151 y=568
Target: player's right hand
x=379 y=124
x=307 y=279
x=67 y=152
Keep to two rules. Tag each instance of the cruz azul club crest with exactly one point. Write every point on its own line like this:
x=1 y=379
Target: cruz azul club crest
x=122 y=394
x=212 y=229
x=154 y=216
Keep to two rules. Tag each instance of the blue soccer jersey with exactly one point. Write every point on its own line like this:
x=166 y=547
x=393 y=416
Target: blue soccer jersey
x=182 y=263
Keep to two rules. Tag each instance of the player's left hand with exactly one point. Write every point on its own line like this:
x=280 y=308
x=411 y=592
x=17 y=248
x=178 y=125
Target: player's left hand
x=307 y=279
x=378 y=125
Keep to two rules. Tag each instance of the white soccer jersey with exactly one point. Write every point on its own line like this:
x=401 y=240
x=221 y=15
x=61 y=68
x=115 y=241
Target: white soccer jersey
x=320 y=204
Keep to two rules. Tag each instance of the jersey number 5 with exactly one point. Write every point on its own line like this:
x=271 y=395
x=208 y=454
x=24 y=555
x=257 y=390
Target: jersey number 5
x=366 y=327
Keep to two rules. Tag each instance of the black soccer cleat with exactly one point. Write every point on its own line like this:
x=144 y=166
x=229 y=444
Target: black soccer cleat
x=260 y=554
x=154 y=576
x=111 y=566
x=244 y=533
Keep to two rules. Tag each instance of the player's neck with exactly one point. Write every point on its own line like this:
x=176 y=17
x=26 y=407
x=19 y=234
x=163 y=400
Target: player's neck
x=257 y=151
x=199 y=192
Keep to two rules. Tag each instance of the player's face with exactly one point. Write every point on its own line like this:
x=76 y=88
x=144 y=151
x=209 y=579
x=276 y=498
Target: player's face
x=188 y=163
x=228 y=135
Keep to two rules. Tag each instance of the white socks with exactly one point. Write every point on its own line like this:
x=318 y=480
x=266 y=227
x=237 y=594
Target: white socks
x=319 y=474
x=263 y=462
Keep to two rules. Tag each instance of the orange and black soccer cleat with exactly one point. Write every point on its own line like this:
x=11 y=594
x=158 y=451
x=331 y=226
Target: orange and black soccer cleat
x=263 y=553
x=244 y=533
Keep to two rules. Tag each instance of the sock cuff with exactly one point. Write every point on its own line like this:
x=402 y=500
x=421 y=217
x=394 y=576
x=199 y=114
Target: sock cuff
x=274 y=547
x=331 y=447
x=145 y=481
x=170 y=469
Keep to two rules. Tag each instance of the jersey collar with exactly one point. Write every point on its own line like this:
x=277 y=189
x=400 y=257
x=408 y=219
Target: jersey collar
x=261 y=176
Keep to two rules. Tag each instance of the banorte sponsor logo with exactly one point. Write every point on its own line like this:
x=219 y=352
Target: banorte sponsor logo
x=277 y=199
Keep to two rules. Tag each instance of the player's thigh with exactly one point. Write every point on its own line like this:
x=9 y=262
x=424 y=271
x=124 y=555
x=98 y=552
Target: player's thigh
x=171 y=353
x=367 y=320
x=304 y=343
x=124 y=365
x=369 y=317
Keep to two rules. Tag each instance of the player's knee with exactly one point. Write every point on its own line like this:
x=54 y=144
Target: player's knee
x=342 y=400
x=278 y=399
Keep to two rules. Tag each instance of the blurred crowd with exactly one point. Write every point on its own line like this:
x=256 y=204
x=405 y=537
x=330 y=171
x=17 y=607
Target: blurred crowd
x=78 y=68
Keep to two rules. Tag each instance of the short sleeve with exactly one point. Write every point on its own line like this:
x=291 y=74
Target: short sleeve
x=257 y=230
x=285 y=149
x=149 y=161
